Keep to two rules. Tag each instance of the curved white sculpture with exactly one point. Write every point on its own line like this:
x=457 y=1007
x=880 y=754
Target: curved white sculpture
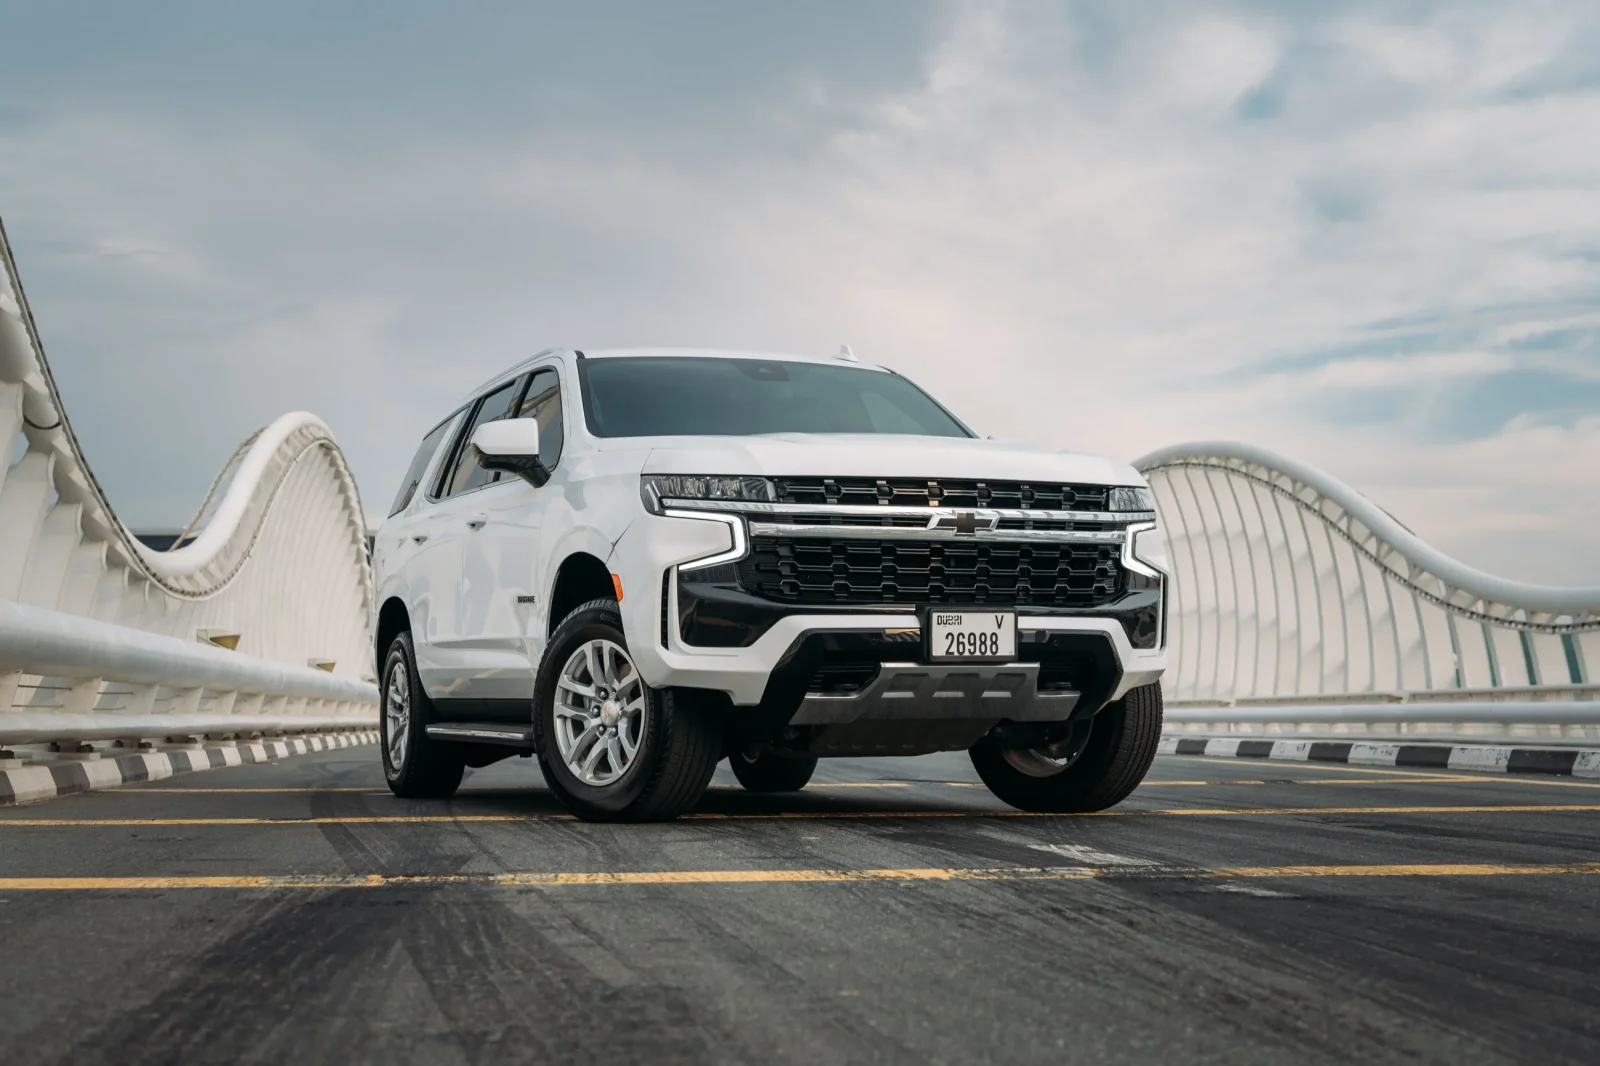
x=1290 y=584
x=279 y=572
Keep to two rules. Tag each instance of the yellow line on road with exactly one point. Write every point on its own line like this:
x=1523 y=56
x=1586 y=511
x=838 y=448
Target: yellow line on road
x=813 y=786
x=353 y=819
x=1312 y=781
x=1523 y=808
x=1172 y=811
x=724 y=877
x=1416 y=870
x=316 y=789
x=159 y=791
x=429 y=819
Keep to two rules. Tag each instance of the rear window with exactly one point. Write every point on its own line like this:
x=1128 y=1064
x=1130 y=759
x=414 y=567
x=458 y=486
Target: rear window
x=419 y=466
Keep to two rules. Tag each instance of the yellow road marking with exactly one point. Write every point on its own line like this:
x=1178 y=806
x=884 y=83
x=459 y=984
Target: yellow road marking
x=1525 y=808
x=724 y=877
x=427 y=819
x=1174 y=811
x=315 y=789
x=540 y=789
x=1416 y=870
x=1314 y=781
x=157 y=791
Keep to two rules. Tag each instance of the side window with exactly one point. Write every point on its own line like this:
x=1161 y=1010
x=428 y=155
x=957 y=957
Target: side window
x=419 y=466
x=465 y=473
x=542 y=401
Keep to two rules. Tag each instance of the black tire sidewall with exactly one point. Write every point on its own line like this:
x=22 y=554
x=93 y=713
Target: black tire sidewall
x=428 y=769
x=400 y=657
x=1119 y=751
x=583 y=625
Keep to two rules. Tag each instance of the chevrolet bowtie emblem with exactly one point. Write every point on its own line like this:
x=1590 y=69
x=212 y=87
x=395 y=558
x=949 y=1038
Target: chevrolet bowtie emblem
x=965 y=523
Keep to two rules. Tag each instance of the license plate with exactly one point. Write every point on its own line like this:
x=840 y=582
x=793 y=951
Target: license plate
x=959 y=635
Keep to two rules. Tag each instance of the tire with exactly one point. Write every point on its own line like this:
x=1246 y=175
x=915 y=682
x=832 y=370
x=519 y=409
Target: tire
x=1121 y=745
x=772 y=773
x=676 y=736
x=415 y=766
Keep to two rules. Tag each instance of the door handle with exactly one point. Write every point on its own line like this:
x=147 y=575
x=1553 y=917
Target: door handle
x=477 y=521
x=418 y=538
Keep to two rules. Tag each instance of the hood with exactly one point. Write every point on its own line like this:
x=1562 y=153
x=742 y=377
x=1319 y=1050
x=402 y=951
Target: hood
x=879 y=455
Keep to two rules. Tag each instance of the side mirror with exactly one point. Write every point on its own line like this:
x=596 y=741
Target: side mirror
x=511 y=445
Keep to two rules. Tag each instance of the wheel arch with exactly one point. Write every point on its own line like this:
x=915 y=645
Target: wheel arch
x=393 y=619
x=581 y=577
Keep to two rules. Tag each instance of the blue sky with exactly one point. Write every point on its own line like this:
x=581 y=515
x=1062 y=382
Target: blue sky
x=1367 y=236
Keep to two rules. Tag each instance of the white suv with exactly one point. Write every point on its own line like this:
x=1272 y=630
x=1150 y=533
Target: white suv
x=634 y=564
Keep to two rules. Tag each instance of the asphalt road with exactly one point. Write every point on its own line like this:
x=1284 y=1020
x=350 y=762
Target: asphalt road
x=1230 y=912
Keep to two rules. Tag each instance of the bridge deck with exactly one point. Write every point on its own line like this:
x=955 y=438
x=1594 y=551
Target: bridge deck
x=894 y=911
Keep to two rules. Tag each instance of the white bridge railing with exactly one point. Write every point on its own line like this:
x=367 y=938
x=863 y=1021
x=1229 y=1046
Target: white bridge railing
x=259 y=624
x=119 y=684
x=1301 y=609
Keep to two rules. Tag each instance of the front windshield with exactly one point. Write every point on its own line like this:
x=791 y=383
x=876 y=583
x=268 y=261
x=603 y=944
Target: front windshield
x=678 y=396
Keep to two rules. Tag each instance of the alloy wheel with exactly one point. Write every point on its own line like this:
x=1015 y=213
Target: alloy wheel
x=599 y=712
x=397 y=712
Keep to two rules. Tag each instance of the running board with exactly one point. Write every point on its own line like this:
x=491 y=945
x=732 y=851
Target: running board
x=482 y=733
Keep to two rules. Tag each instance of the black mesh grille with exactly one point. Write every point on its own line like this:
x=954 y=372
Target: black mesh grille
x=914 y=492
x=823 y=571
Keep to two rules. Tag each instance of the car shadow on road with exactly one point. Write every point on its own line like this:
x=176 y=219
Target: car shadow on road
x=733 y=802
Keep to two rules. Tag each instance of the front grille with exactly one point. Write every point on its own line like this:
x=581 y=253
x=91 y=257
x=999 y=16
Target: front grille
x=915 y=492
x=823 y=571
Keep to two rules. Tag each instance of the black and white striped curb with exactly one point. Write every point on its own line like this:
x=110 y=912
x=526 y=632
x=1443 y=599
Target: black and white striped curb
x=42 y=781
x=1576 y=762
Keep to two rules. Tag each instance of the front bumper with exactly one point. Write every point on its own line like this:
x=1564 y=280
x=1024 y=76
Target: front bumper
x=787 y=649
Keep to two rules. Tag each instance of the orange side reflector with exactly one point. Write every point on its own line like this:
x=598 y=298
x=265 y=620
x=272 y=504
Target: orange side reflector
x=616 y=583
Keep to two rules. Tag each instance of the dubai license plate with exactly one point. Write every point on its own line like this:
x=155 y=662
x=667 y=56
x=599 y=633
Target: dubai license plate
x=954 y=636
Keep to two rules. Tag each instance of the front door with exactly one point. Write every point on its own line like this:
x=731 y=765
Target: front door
x=503 y=561
x=444 y=658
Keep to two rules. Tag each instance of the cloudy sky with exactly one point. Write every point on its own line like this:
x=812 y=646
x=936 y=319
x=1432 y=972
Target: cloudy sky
x=1366 y=236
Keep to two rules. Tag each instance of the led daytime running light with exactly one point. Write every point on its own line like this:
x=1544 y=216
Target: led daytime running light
x=657 y=488
x=1131 y=498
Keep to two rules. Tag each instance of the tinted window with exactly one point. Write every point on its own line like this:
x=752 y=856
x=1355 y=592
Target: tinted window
x=542 y=401
x=418 y=467
x=467 y=474
x=673 y=396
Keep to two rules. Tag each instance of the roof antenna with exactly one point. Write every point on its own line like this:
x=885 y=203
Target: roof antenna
x=846 y=354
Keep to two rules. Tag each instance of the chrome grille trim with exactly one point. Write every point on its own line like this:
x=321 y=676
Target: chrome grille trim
x=982 y=536
x=854 y=510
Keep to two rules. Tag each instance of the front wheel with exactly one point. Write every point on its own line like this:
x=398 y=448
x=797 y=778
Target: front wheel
x=1122 y=744
x=612 y=748
x=772 y=773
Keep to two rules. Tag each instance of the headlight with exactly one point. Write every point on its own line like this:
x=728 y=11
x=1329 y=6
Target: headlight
x=1130 y=498
x=655 y=488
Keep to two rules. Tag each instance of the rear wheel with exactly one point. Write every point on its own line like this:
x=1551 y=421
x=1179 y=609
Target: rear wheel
x=415 y=765
x=772 y=773
x=612 y=748
x=1121 y=745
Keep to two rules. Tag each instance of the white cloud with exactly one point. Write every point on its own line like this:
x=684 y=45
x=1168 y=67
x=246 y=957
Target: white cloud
x=1070 y=231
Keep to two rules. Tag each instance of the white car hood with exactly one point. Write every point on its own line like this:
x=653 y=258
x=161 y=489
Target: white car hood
x=878 y=455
